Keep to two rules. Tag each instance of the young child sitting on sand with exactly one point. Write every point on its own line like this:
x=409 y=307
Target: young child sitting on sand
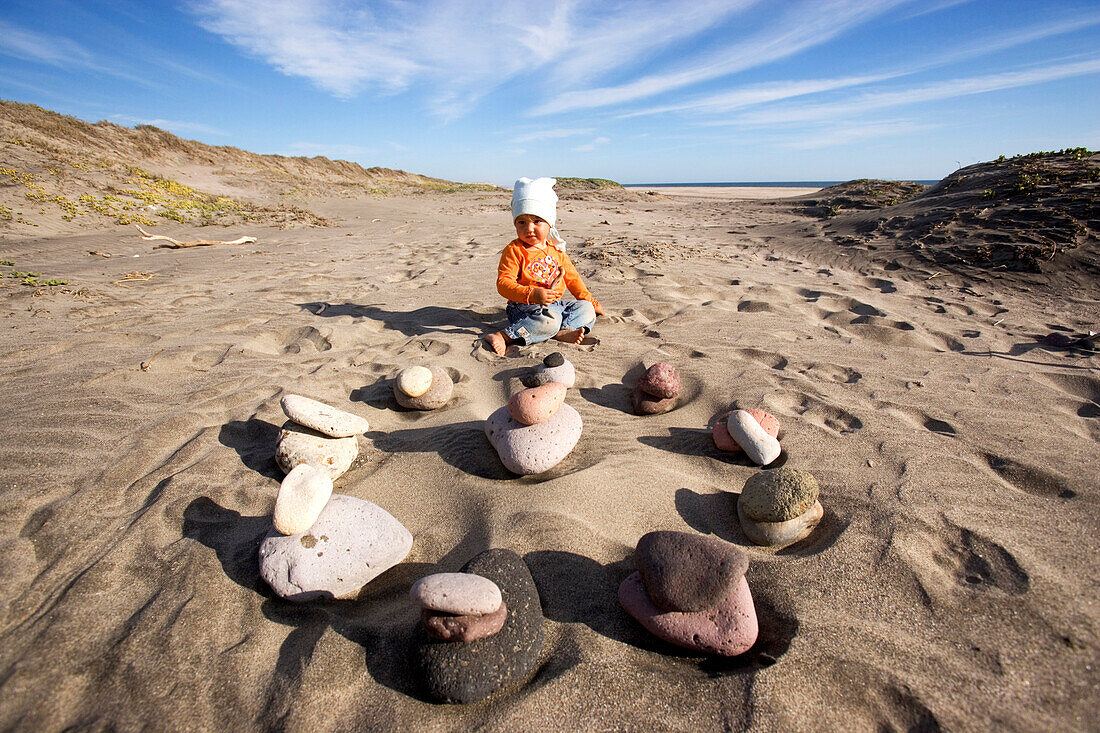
x=534 y=272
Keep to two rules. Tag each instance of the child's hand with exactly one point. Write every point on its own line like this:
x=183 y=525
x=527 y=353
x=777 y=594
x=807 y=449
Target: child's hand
x=599 y=310
x=543 y=296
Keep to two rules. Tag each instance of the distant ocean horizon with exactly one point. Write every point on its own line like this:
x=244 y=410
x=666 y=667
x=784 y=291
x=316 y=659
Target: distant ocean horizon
x=747 y=184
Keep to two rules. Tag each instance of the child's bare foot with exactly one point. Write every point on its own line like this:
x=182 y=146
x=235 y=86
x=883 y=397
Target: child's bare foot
x=497 y=343
x=572 y=336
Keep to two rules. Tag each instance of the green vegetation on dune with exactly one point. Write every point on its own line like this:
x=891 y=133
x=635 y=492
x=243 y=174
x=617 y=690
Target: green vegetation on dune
x=587 y=183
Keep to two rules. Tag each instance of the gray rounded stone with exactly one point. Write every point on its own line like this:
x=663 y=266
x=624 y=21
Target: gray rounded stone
x=781 y=534
x=467 y=672
x=323 y=418
x=554 y=360
x=565 y=373
x=778 y=494
x=437 y=395
x=352 y=542
x=298 y=445
x=529 y=449
x=462 y=594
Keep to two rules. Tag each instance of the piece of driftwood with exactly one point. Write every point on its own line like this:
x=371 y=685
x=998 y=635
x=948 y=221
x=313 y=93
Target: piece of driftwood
x=175 y=243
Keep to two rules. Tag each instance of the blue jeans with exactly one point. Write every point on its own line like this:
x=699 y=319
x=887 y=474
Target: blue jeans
x=530 y=324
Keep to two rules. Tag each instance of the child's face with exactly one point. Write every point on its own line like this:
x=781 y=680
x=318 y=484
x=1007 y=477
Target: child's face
x=532 y=230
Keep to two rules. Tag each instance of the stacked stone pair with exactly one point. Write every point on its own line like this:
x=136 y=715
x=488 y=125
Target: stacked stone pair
x=324 y=545
x=459 y=606
x=753 y=431
x=779 y=506
x=423 y=388
x=466 y=652
x=319 y=435
x=691 y=591
x=554 y=368
x=657 y=390
x=536 y=430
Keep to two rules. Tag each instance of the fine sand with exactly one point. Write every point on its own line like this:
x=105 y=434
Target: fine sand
x=953 y=582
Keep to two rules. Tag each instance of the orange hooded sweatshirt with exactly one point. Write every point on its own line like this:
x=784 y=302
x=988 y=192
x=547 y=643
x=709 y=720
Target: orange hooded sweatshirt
x=523 y=268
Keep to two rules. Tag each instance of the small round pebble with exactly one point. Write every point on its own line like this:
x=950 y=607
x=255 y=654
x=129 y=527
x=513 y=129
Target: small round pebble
x=554 y=360
x=532 y=406
x=463 y=594
x=778 y=494
x=438 y=394
x=415 y=380
x=446 y=627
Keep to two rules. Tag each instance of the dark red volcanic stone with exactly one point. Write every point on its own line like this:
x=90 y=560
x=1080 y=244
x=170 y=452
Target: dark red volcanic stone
x=661 y=381
x=647 y=404
x=688 y=572
x=448 y=627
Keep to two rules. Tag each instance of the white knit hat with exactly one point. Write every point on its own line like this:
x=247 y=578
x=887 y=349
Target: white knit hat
x=537 y=197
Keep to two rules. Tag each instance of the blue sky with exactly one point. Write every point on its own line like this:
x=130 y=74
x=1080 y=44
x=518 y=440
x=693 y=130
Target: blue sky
x=637 y=91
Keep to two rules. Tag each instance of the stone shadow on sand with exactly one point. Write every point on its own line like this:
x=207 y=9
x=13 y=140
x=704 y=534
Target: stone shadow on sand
x=425 y=320
x=462 y=445
x=577 y=589
x=380 y=619
x=254 y=441
x=615 y=396
x=716 y=514
x=698 y=442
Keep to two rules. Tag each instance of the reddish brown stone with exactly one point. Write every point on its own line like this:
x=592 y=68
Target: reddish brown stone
x=661 y=381
x=446 y=627
x=647 y=404
x=688 y=572
x=721 y=432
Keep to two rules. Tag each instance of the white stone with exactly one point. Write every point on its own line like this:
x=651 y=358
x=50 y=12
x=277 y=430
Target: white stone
x=302 y=495
x=299 y=445
x=781 y=534
x=464 y=594
x=760 y=447
x=323 y=418
x=350 y=544
x=415 y=380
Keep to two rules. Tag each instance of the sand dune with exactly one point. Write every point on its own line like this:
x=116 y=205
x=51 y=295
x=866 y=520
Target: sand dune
x=951 y=583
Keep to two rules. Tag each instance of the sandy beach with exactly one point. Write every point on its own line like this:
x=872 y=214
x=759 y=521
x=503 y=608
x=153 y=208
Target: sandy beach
x=951 y=585
x=732 y=193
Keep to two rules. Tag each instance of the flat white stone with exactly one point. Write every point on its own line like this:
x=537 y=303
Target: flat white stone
x=565 y=374
x=415 y=380
x=302 y=495
x=350 y=544
x=760 y=447
x=464 y=594
x=781 y=534
x=323 y=418
x=299 y=445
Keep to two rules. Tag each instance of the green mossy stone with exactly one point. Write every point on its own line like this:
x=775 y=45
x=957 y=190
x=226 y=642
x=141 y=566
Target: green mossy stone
x=778 y=494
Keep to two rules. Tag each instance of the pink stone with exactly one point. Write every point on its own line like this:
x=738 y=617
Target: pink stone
x=532 y=406
x=646 y=404
x=728 y=629
x=721 y=432
x=661 y=381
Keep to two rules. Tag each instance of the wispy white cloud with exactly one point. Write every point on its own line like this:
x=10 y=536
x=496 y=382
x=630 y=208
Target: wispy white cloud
x=802 y=27
x=175 y=126
x=587 y=147
x=460 y=50
x=756 y=94
x=851 y=132
x=872 y=101
x=556 y=134
x=41 y=48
